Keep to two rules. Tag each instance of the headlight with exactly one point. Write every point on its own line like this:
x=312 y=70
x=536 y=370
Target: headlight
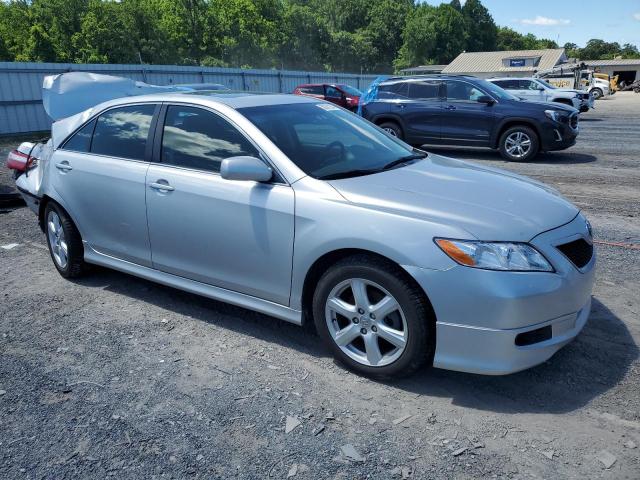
x=553 y=115
x=495 y=255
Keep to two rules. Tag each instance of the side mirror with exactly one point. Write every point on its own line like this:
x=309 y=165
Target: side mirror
x=485 y=99
x=245 y=168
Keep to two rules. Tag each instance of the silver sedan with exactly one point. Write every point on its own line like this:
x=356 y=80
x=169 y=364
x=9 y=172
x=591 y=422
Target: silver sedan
x=304 y=211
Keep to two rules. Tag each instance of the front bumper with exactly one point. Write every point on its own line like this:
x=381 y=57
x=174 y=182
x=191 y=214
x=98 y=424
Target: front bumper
x=558 y=136
x=481 y=313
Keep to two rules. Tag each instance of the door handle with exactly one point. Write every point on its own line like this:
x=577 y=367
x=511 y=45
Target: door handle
x=162 y=186
x=64 y=166
x=450 y=107
x=400 y=105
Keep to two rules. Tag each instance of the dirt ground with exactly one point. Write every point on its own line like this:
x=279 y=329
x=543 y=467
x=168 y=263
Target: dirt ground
x=116 y=376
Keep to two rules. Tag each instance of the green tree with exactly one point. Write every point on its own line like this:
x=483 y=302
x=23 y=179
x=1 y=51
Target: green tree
x=431 y=35
x=481 y=30
x=104 y=35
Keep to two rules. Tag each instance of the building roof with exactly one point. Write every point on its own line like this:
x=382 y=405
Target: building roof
x=613 y=63
x=487 y=62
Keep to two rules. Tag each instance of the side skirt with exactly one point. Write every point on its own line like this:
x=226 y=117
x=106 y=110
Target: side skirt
x=199 y=288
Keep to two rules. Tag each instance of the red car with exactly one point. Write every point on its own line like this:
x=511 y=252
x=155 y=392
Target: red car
x=344 y=95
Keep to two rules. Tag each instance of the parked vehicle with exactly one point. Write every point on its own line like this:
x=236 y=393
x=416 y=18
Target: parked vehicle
x=468 y=111
x=344 y=95
x=635 y=86
x=613 y=81
x=401 y=258
x=537 y=90
x=576 y=76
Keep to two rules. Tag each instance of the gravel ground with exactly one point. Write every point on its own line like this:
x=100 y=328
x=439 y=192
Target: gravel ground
x=116 y=376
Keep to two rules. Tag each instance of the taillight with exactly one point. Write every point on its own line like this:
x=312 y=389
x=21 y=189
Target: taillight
x=17 y=160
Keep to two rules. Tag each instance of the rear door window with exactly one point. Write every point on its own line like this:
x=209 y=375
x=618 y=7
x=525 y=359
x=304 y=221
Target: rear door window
x=198 y=139
x=400 y=89
x=122 y=132
x=424 y=90
x=312 y=90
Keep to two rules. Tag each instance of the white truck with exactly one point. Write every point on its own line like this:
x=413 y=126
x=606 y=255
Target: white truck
x=576 y=76
x=537 y=90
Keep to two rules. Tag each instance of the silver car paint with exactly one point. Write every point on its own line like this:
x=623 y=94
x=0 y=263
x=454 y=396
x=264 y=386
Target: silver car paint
x=395 y=214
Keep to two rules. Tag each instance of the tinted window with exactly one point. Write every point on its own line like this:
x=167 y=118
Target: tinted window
x=312 y=90
x=198 y=139
x=349 y=90
x=81 y=140
x=400 y=89
x=508 y=84
x=122 y=132
x=462 y=91
x=425 y=90
x=333 y=92
x=325 y=140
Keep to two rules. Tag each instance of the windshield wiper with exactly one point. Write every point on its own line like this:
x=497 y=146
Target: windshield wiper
x=403 y=160
x=349 y=173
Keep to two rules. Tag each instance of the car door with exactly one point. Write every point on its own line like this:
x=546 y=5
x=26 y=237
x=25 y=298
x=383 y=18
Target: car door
x=100 y=174
x=465 y=121
x=534 y=91
x=418 y=104
x=232 y=234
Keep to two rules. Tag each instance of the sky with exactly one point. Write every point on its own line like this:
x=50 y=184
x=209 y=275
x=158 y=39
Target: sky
x=569 y=20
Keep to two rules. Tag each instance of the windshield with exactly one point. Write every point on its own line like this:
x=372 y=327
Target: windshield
x=351 y=90
x=496 y=91
x=326 y=141
x=544 y=82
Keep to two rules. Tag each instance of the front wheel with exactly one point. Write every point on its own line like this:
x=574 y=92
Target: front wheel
x=392 y=129
x=375 y=320
x=597 y=93
x=519 y=144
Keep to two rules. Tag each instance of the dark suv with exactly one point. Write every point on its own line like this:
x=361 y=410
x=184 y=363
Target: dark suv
x=468 y=111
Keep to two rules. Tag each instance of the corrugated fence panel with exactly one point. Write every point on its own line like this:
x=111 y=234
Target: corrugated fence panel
x=21 y=109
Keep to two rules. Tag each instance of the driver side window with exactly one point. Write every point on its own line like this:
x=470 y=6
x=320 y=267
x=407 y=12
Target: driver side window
x=198 y=139
x=333 y=92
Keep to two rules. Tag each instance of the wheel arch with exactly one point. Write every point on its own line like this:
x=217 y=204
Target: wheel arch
x=515 y=122
x=384 y=118
x=328 y=259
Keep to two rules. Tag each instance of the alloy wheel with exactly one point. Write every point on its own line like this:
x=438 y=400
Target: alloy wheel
x=518 y=144
x=390 y=131
x=366 y=322
x=57 y=240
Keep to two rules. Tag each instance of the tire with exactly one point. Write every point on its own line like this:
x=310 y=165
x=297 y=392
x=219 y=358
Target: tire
x=392 y=129
x=509 y=140
x=61 y=232
x=410 y=323
x=637 y=89
x=597 y=93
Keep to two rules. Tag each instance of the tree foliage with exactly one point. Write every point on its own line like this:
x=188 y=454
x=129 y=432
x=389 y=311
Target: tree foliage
x=333 y=35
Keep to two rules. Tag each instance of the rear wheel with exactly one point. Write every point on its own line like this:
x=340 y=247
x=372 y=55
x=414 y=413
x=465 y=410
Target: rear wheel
x=375 y=319
x=392 y=129
x=64 y=241
x=519 y=144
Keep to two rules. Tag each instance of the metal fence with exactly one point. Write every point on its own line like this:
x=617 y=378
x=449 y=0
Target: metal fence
x=21 y=109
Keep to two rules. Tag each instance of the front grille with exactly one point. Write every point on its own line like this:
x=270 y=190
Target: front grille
x=579 y=252
x=574 y=121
